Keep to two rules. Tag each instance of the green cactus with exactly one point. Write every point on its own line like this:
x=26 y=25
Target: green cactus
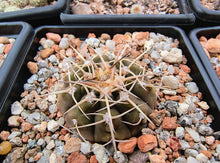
x=106 y=97
x=19 y=3
x=38 y=3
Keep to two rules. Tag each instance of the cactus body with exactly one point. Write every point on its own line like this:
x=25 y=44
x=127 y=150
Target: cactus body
x=106 y=97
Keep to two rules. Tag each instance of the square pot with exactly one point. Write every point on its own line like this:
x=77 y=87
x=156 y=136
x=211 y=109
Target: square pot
x=23 y=34
x=203 y=13
x=34 y=14
x=208 y=32
x=185 y=17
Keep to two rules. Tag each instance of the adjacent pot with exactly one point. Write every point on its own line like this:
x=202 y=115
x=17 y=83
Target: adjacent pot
x=185 y=17
x=203 y=13
x=210 y=32
x=23 y=34
x=34 y=14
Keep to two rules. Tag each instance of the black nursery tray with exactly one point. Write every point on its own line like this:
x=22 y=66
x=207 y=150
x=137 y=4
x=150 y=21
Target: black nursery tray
x=34 y=14
x=203 y=13
x=197 y=70
x=185 y=17
x=23 y=34
x=210 y=32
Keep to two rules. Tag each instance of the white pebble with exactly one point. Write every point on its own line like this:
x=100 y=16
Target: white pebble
x=180 y=132
x=53 y=108
x=14 y=134
x=193 y=134
x=110 y=44
x=93 y=42
x=192 y=160
x=52 y=126
x=13 y=121
x=16 y=108
x=171 y=69
x=50 y=145
x=120 y=157
x=48 y=43
x=192 y=87
x=100 y=153
x=202 y=158
x=2 y=47
x=86 y=147
x=183 y=108
x=53 y=158
x=174 y=56
x=64 y=44
x=171 y=82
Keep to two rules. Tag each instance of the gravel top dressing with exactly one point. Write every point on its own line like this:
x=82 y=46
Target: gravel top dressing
x=128 y=98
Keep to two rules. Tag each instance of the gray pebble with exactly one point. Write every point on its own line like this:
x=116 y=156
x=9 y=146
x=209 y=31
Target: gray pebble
x=86 y=147
x=183 y=108
x=185 y=120
x=214 y=61
x=14 y=134
x=41 y=142
x=191 y=152
x=50 y=145
x=60 y=151
x=205 y=130
x=53 y=59
x=184 y=145
x=171 y=69
x=43 y=64
x=43 y=74
x=180 y=160
x=43 y=159
x=48 y=43
x=120 y=157
x=53 y=108
x=93 y=42
x=193 y=133
x=110 y=44
x=172 y=107
x=31 y=159
x=64 y=44
x=180 y=132
x=17 y=141
x=16 y=108
x=192 y=87
x=155 y=55
x=33 y=78
x=31 y=143
x=192 y=160
x=157 y=71
x=29 y=87
x=164 y=135
x=34 y=118
x=202 y=158
x=170 y=81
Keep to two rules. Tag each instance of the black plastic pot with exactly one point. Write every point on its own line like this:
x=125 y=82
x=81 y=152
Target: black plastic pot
x=203 y=13
x=210 y=32
x=197 y=70
x=34 y=14
x=23 y=34
x=184 y=18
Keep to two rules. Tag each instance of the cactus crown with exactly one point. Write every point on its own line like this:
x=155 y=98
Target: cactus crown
x=105 y=97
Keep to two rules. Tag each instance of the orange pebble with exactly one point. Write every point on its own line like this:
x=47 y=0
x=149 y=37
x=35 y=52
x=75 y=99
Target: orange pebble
x=8 y=48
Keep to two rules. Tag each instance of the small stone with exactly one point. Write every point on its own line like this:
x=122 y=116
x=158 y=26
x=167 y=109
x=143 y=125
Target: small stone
x=25 y=138
x=205 y=130
x=202 y=158
x=73 y=145
x=157 y=159
x=180 y=132
x=53 y=158
x=4 y=40
x=32 y=66
x=92 y=42
x=146 y=142
x=13 y=121
x=53 y=36
x=213 y=45
x=174 y=56
x=128 y=147
x=138 y=157
x=100 y=152
x=110 y=44
x=86 y=147
x=157 y=117
x=185 y=120
x=64 y=44
x=164 y=135
x=45 y=53
x=41 y=142
x=169 y=123
x=42 y=127
x=203 y=105
x=192 y=159
x=16 y=108
x=18 y=155
x=218 y=148
x=93 y=159
x=183 y=108
x=184 y=145
x=14 y=134
x=16 y=141
x=192 y=87
x=50 y=145
x=180 y=160
x=76 y=157
x=171 y=82
x=120 y=157
x=4 y=135
x=194 y=134
x=25 y=126
x=210 y=140
x=173 y=143
x=191 y=152
x=206 y=153
x=52 y=126
x=53 y=108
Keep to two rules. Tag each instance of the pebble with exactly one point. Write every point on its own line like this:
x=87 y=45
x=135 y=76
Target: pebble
x=183 y=108
x=17 y=141
x=4 y=40
x=46 y=52
x=128 y=147
x=203 y=105
x=193 y=133
x=184 y=145
x=138 y=157
x=180 y=160
x=25 y=126
x=47 y=43
x=202 y=158
x=53 y=158
x=218 y=149
x=185 y=120
x=13 y=121
x=180 y=132
x=100 y=153
x=192 y=160
x=4 y=135
x=52 y=126
x=53 y=59
x=2 y=47
x=192 y=87
x=32 y=79
x=210 y=140
x=53 y=36
x=171 y=106
x=169 y=123
x=171 y=82
x=174 y=56
x=14 y=134
x=169 y=92
x=120 y=157
x=157 y=117
x=53 y=108
x=32 y=66
x=43 y=74
x=64 y=44
x=73 y=145
x=213 y=45
x=41 y=142
x=50 y=145
x=191 y=152
x=157 y=159
x=205 y=130
x=164 y=135
x=146 y=142
x=16 y=108
x=76 y=157
x=34 y=118
x=173 y=143
x=86 y=147
x=110 y=44
x=31 y=143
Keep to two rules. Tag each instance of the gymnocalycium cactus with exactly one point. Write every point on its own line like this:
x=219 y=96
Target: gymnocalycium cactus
x=105 y=97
